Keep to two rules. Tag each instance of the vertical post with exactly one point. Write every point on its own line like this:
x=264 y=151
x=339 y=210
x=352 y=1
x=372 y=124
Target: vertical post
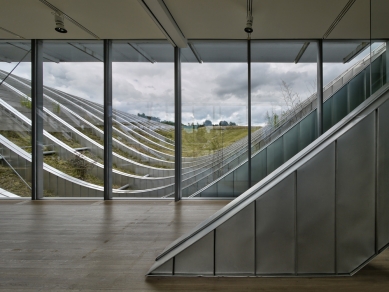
x=177 y=125
x=387 y=62
x=37 y=118
x=107 y=119
x=249 y=109
x=319 y=91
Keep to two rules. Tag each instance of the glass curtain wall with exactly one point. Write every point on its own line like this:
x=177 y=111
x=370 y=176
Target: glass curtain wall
x=346 y=77
x=380 y=35
x=143 y=119
x=15 y=119
x=73 y=118
x=283 y=87
x=214 y=118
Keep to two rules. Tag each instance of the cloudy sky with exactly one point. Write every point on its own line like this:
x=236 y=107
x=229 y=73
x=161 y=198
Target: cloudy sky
x=213 y=91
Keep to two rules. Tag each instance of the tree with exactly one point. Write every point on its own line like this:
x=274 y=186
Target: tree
x=292 y=99
x=223 y=123
x=207 y=123
x=272 y=119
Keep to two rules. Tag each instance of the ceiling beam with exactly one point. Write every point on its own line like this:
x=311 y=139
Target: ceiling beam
x=355 y=52
x=301 y=53
x=195 y=53
x=87 y=51
x=27 y=48
x=10 y=32
x=338 y=18
x=142 y=52
x=162 y=17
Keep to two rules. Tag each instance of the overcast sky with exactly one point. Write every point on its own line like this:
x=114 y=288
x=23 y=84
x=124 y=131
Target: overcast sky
x=213 y=91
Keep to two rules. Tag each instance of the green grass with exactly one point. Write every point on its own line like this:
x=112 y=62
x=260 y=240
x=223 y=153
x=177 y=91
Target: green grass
x=9 y=181
x=70 y=142
x=67 y=167
x=22 y=139
x=203 y=141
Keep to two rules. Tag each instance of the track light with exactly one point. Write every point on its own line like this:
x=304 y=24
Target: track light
x=249 y=23
x=59 y=23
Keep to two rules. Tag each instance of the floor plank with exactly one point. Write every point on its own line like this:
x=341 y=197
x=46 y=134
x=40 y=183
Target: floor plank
x=54 y=245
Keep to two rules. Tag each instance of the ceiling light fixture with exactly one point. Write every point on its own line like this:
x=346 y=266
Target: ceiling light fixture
x=249 y=23
x=59 y=23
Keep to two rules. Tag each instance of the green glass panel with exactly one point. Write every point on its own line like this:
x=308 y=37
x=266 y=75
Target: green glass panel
x=376 y=74
x=307 y=130
x=356 y=92
x=339 y=105
x=275 y=155
x=259 y=166
x=291 y=145
x=327 y=114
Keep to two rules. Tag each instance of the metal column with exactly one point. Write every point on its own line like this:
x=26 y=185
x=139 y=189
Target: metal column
x=107 y=119
x=319 y=91
x=37 y=118
x=387 y=62
x=249 y=109
x=177 y=125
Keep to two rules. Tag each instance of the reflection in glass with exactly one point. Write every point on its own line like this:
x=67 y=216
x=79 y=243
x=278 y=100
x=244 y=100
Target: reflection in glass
x=143 y=119
x=214 y=118
x=15 y=119
x=73 y=118
x=283 y=90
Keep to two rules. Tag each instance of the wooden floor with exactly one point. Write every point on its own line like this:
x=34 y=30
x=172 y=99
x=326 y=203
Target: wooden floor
x=109 y=246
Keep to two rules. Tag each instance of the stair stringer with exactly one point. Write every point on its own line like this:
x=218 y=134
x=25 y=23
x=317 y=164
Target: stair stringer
x=322 y=213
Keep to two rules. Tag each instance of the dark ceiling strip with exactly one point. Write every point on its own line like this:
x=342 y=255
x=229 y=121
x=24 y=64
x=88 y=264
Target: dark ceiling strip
x=10 y=32
x=51 y=6
x=27 y=49
x=195 y=53
x=338 y=18
x=87 y=51
x=142 y=53
x=355 y=52
x=15 y=67
x=167 y=8
x=157 y=22
x=301 y=53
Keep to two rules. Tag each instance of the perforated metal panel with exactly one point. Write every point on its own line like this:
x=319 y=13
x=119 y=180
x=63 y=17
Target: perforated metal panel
x=275 y=229
x=316 y=214
x=234 y=244
x=197 y=259
x=355 y=195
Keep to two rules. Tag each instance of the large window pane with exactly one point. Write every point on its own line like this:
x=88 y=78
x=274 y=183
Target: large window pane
x=214 y=118
x=73 y=118
x=283 y=90
x=143 y=119
x=346 y=74
x=15 y=119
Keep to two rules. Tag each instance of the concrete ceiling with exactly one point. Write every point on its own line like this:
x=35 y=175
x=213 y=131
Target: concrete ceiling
x=197 y=19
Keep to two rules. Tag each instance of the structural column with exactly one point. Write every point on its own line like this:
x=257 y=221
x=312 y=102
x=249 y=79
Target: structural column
x=249 y=110
x=37 y=118
x=387 y=62
x=177 y=125
x=319 y=91
x=107 y=119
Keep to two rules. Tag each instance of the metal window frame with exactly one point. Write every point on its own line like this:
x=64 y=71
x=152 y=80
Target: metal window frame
x=37 y=118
